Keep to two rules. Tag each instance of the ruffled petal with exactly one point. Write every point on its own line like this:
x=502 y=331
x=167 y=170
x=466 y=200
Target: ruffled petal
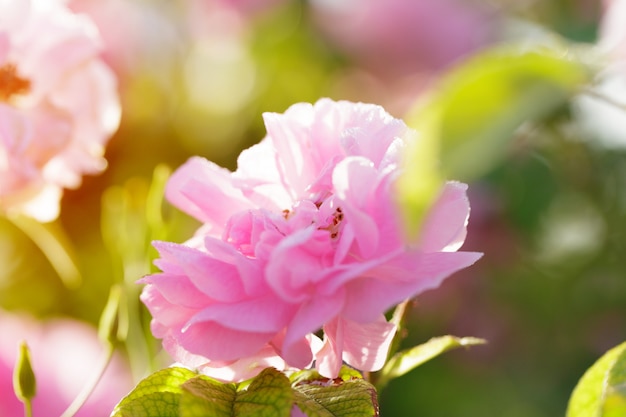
x=366 y=346
x=309 y=318
x=404 y=278
x=263 y=314
x=445 y=226
x=215 y=278
x=219 y=343
x=328 y=360
x=205 y=191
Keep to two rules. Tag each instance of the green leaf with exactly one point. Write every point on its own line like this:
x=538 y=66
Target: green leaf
x=54 y=243
x=268 y=395
x=479 y=105
x=407 y=360
x=421 y=180
x=346 y=396
x=203 y=396
x=24 y=382
x=156 y=395
x=177 y=392
x=601 y=392
x=345 y=374
x=337 y=398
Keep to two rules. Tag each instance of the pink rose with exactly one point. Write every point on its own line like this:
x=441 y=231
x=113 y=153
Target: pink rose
x=304 y=236
x=58 y=105
x=396 y=37
x=65 y=355
x=612 y=33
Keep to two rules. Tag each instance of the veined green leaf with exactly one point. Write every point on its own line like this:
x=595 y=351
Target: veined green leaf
x=205 y=397
x=157 y=395
x=346 y=396
x=269 y=394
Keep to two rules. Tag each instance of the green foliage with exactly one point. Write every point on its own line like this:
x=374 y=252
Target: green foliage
x=155 y=395
x=113 y=326
x=203 y=396
x=601 y=392
x=407 y=360
x=337 y=398
x=178 y=392
x=481 y=103
x=268 y=395
x=51 y=239
x=467 y=123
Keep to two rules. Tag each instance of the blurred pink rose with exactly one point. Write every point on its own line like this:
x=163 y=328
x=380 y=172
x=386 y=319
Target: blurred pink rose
x=65 y=355
x=395 y=37
x=612 y=32
x=304 y=235
x=58 y=105
x=139 y=37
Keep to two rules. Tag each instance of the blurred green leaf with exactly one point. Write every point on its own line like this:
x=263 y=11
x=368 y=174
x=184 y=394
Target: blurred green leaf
x=601 y=392
x=113 y=326
x=24 y=382
x=473 y=114
x=421 y=180
x=51 y=239
x=407 y=360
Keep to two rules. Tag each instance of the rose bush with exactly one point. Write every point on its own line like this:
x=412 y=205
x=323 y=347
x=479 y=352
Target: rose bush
x=304 y=235
x=58 y=105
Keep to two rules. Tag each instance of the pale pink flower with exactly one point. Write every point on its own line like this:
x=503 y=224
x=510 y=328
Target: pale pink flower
x=395 y=37
x=65 y=355
x=304 y=236
x=58 y=105
x=612 y=33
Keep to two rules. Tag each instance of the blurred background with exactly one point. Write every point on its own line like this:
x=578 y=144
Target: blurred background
x=195 y=76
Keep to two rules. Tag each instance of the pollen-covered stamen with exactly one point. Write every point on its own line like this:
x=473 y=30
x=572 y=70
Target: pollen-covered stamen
x=334 y=223
x=11 y=83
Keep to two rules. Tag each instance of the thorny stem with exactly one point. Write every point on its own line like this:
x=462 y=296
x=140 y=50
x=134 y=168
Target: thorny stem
x=88 y=389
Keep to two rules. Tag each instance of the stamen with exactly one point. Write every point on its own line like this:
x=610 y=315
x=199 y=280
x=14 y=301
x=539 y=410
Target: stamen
x=11 y=83
x=334 y=226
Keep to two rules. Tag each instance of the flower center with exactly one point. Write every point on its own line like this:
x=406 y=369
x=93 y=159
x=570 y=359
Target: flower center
x=11 y=83
x=334 y=225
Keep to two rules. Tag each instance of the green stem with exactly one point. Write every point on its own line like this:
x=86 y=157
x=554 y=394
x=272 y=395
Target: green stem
x=28 y=408
x=399 y=319
x=88 y=389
